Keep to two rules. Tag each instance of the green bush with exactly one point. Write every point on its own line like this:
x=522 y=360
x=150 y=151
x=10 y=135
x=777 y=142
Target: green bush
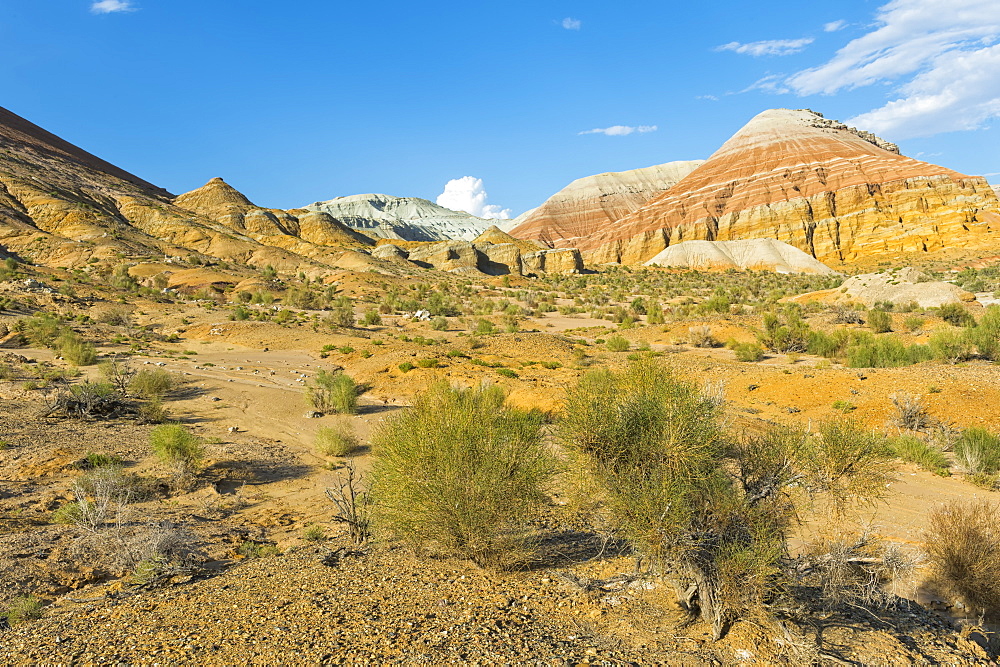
x=978 y=451
x=950 y=346
x=748 y=352
x=462 y=472
x=333 y=392
x=879 y=321
x=406 y=367
x=507 y=373
x=152 y=383
x=710 y=511
x=336 y=440
x=956 y=314
x=986 y=335
x=616 y=343
x=177 y=447
x=867 y=351
x=784 y=331
x=484 y=328
x=439 y=323
x=963 y=548
x=75 y=350
x=372 y=318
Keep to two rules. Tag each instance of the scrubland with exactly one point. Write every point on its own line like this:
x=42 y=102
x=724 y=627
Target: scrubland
x=633 y=464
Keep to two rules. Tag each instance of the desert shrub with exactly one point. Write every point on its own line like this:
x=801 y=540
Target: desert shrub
x=152 y=383
x=431 y=362
x=832 y=345
x=911 y=413
x=784 y=330
x=151 y=412
x=484 y=328
x=963 y=548
x=439 y=323
x=507 y=373
x=879 y=321
x=950 y=346
x=914 y=323
x=177 y=447
x=336 y=440
x=341 y=316
x=858 y=571
x=89 y=400
x=956 y=314
x=371 y=318
x=978 y=451
x=333 y=392
x=303 y=298
x=462 y=472
x=616 y=343
x=655 y=445
x=406 y=366
x=914 y=450
x=654 y=313
x=75 y=350
x=748 y=352
x=23 y=608
x=701 y=336
x=884 y=352
x=251 y=549
x=42 y=329
x=843 y=314
x=241 y=313
x=118 y=371
x=986 y=335
x=844 y=406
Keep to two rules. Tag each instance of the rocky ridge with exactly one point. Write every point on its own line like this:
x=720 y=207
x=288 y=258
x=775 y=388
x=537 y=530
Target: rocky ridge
x=589 y=204
x=837 y=193
x=403 y=218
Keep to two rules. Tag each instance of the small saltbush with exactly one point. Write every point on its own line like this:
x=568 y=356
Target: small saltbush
x=23 y=608
x=950 y=346
x=616 y=343
x=333 y=392
x=879 y=321
x=152 y=383
x=176 y=446
x=956 y=314
x=749 y=352
x=75 y=350
x=336 y=440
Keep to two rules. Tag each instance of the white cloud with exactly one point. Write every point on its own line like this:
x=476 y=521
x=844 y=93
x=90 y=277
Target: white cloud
x=109 y=6
x=834 y=26
x=468 y=194
x=714 y=98
x=769 y=47
x=571 y=23
x=942 y=59
x=621 y=130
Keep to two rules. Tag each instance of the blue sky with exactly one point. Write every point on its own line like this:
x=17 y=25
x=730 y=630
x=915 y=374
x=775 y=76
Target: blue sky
x=302 y=100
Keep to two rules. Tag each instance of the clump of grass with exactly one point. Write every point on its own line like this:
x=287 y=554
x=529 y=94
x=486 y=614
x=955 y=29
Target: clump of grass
x=406 y=367
x=314 y=533
x=23 y=608
x=336 y=440
x=462 y=472
x=333 y=392
x=251 y=549
x=914 y=450
x=507 y=373
x=844 y=406
x=616 y=343
x=749 y=352
x=177 y=447
x=978 y=451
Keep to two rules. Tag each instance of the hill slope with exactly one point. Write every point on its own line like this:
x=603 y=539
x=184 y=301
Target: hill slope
x=837 y=193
